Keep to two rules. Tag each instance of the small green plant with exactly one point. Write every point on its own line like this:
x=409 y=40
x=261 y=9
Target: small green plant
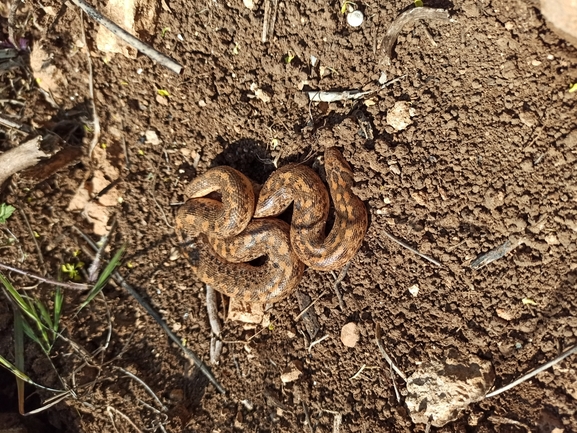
x=165 y=31
x=5 y=211
x=345 y=6
x=418 y=3
x=72 y=270
x=41 y=323
x=37 y=322
x=289 y=57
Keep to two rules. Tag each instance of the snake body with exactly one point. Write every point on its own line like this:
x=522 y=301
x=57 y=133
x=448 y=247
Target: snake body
x=300 y=185
x=219 y=237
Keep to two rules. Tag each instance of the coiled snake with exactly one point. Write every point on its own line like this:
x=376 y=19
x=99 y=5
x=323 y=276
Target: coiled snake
x=220 y=237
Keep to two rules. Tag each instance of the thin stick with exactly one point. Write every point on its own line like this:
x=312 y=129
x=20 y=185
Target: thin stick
x=535 y=372
x=403 y=244
x=308 y=417
x=146 y=387
x=394 y=383
x=38 y=250
x=212 y=311
x=215 y=350
x=302 y=313
x=385 y=355
x=109 y=409
x=10 y=123
x=96 y=263
x=145 y=49
x=358 y=373
x=337 y=421
x=314 y=343
x=95 y=119
x=197 y=361
x=270 y=10
x=75 y=286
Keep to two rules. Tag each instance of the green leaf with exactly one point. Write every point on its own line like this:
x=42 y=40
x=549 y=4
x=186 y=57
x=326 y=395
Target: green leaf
x=23 y=305
x=573 y=88
x=289 y=57
x=418 y=3
x=19 y=374
x=163 y=92
x=58 y=301
x=46 y=318
x=103 y=278
x=5 y=211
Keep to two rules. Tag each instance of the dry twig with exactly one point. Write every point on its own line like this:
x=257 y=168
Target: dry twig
x=403 y=244
x=338 y=281
x=302 y=313
x=145 y=49
x=75 y=286
x=26 y=155
x=146 y=387
x=385 y=355
x=535 y=372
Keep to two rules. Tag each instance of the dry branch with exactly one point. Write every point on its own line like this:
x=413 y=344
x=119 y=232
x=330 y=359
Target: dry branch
x=26 y=155
x=119 y=32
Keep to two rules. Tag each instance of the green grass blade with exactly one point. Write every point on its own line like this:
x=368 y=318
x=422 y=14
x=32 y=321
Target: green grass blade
x=104 y=277
x=19 y=356
x=32 y=335
x=58 y=301
x=19 y=374
x=45 y=342
x=23 y=305
x=44 y=314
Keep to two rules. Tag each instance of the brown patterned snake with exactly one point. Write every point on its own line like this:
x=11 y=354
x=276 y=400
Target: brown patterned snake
x=219 y=237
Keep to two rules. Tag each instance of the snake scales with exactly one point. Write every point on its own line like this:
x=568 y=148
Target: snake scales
x=220 y=237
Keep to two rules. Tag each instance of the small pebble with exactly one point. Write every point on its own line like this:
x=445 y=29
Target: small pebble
x=355 y=19
x=350 y=334
x=414 y=289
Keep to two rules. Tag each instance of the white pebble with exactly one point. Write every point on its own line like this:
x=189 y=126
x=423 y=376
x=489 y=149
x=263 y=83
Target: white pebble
x=355 y=18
